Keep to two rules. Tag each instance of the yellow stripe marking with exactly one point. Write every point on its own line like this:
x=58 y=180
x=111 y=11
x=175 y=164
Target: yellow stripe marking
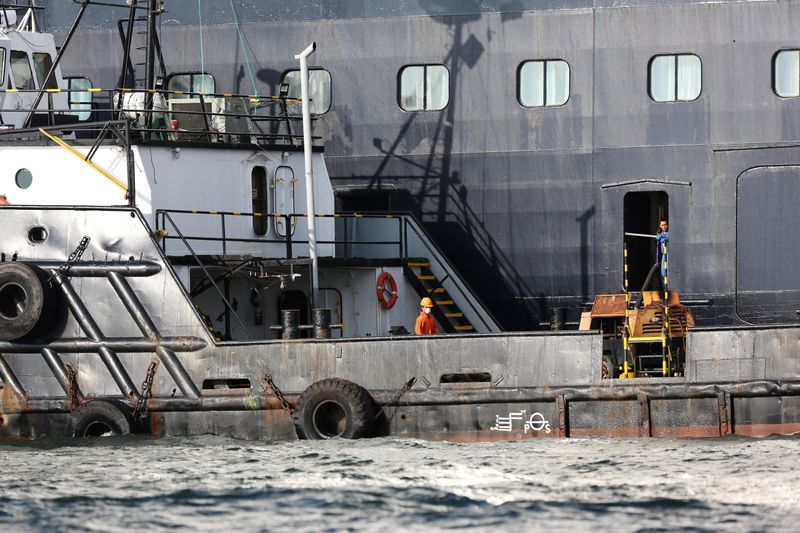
x=419 y=264
x=438 y=290
x=644 y=339
x=426 y=278
x=464 y=328
x=445 y=302
x=454 y=315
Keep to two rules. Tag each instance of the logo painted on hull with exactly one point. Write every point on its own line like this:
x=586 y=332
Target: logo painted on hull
x=536 y=422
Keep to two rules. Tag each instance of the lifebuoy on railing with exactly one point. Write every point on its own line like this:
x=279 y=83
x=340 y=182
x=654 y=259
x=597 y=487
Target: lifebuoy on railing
x=383 y=290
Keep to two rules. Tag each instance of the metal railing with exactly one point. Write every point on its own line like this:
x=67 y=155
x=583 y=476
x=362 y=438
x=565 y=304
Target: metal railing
x=158 y=122
x=412 y=242
x=289 y=222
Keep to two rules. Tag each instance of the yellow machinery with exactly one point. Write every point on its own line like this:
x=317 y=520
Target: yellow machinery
x=645 y=338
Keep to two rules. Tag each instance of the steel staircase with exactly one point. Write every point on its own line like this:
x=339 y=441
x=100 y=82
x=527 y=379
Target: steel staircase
x=448 y=314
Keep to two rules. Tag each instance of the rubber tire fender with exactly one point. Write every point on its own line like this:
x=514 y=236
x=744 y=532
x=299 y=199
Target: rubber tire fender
x=97 y=415
x=333 y=407
x=27 y=302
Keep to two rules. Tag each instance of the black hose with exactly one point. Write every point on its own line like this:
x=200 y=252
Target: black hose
x=647 y=280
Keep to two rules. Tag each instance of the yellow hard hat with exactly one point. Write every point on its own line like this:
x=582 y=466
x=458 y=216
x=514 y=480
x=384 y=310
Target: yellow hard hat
x=426 y=302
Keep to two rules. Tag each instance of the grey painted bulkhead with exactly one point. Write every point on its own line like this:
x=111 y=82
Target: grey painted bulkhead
x=527 y=202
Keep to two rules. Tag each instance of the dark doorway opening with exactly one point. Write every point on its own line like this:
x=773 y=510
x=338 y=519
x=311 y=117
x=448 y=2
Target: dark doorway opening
x=370 y=200
x=642 y=212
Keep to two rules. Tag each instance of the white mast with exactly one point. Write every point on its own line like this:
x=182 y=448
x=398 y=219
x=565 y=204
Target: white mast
x=307 y=146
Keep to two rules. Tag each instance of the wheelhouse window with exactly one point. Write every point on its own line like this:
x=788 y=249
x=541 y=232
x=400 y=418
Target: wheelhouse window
x=786 y=73
x=21 y=70
x=80 y=96
x=43 y=63
x=191 y=82
x=675 y=77
x=543 y=83
x=319 y=90
x=424 y=87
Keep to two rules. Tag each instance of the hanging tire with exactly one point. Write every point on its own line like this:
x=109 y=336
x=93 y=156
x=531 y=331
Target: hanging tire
x=333 y=408
x=100 y=418
x=28 y=304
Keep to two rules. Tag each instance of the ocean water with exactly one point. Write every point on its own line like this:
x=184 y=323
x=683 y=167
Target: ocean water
x=214 y=484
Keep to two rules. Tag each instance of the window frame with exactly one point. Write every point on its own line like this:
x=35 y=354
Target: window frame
x=193 y=74
x=674 y=55
x=30 y=69
x=424 y=87
x=68 y=83
x=40 y=83
x=310 y=70
x=3 y=55
x=775 y=71
x=544 y=82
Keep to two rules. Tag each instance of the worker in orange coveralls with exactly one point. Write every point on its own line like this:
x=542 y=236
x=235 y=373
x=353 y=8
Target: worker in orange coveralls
x=426 y=324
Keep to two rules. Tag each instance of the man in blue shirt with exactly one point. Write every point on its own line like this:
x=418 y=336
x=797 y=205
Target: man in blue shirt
x=662 y=248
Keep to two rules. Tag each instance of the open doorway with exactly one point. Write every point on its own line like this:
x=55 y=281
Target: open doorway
x=642 y=212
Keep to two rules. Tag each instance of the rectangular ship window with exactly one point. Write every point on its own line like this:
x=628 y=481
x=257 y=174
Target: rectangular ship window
x=423 y=87
x=21 y=71
x=543 y=83
x=675 y=77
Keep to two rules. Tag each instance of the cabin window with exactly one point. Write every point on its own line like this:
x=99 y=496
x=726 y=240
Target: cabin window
x=80 y=96
x=258 y=179
x=43 y=63
x=319 y=90
x=191 y=82
x=676 y=77
x=2 y=66
x=786 y=73
x=21 y=70
x=543 y=83
x=424 y=87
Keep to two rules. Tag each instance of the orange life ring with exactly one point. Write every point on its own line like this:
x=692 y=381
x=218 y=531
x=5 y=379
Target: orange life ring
x=382 y=290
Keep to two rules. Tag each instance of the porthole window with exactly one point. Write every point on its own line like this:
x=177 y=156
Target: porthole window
x=23 y=178
x=786 y=73
x=543 y=83
x=423 y=88
x=675 y=77
x=319 y=91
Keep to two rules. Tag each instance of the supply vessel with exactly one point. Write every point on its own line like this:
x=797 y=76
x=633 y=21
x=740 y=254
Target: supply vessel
x=161 y=233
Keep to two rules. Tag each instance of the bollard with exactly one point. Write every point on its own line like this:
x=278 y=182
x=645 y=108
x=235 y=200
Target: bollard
x=321 y=320
x=558 y=316
x=289 y=323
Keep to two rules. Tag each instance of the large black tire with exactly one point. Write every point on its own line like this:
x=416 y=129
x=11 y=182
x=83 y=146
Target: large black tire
x=333 y=408
x=98 y=418
x=28 y=304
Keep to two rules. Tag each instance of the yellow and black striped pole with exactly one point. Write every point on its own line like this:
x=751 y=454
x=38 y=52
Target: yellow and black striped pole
x=626 y=329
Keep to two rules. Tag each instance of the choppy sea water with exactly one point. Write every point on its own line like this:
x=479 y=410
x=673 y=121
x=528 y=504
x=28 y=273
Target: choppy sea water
x=213 y=483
